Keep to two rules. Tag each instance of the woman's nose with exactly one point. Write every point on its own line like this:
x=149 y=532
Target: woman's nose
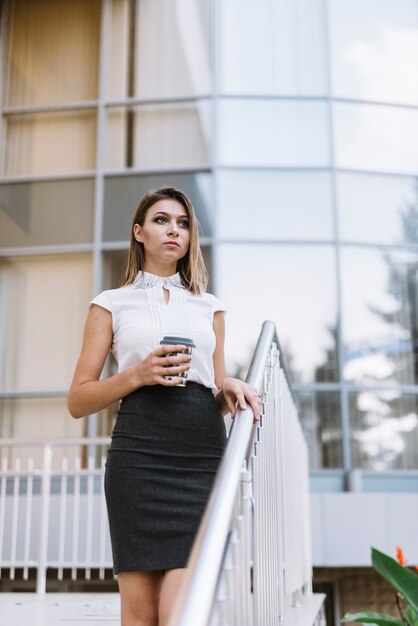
x=174 y=229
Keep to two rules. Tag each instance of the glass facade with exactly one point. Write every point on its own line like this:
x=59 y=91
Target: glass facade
x=299 y=151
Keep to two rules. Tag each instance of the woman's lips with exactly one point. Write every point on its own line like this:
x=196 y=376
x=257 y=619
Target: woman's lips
x=171 y=244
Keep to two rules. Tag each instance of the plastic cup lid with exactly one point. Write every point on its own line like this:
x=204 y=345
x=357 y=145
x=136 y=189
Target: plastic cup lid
x=184 y=341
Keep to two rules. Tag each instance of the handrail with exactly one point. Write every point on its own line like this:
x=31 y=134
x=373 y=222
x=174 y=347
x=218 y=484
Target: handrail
x=196 y=594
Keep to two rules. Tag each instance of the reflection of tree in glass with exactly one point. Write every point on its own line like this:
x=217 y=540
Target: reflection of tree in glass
x=323 y=413
x=240 y=369
x=382 y=420
x=402 y=287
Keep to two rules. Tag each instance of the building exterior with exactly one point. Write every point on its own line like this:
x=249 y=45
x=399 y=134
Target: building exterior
x=293 y=125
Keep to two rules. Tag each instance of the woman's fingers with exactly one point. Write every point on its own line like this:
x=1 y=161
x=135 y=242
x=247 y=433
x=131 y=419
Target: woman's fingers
x=239 y=394
x=168 y=349
x=175 y=360
x=241 y=400
x=255 y=402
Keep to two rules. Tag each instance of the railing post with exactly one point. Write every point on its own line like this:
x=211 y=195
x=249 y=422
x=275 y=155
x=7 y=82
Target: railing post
x=279 y=468
x=44 y=522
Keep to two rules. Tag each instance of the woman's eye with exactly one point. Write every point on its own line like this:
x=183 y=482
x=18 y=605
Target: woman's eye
x=160 y=220
x=184 y=223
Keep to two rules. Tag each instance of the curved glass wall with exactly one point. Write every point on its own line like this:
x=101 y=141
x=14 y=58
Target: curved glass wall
x=299 y=151
x=317 y=214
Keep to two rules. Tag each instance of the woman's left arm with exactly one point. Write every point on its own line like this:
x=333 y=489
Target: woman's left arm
x=233 y=394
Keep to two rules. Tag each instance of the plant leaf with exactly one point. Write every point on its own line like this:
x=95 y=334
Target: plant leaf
x=369 y=617
x=412 y=616
x=400 y=577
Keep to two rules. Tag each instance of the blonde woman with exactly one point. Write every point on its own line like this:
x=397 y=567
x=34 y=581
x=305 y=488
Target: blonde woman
x=168 y=439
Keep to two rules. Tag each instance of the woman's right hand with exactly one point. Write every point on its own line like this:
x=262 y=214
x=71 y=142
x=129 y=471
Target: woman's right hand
x=153 y=368
x=88 y=394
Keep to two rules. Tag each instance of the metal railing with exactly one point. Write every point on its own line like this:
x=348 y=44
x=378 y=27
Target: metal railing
x=252 y=554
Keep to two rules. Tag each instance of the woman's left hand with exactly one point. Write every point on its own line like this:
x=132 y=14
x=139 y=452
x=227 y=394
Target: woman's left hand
x=237 y=394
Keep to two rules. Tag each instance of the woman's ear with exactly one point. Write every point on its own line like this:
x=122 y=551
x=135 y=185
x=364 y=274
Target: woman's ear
x=137 y=230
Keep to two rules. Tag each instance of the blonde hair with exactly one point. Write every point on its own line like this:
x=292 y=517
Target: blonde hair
x=191 y=267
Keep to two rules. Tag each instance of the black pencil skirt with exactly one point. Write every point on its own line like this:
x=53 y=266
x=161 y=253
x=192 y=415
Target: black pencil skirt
x=166 y=447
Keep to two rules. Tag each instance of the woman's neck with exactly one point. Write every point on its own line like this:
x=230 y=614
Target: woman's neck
x=160 y=270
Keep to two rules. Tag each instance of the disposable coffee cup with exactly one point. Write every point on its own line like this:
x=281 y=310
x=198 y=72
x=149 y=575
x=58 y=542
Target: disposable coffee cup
x=179 y=341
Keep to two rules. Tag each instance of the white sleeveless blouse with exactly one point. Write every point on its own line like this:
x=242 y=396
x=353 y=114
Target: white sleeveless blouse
x=141 y=318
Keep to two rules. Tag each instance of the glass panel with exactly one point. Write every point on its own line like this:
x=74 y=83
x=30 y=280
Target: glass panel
x=172 y=135
x=44 y=302
x=274 y=205
x=119 y=70
x=50 y=143
x=377 y=209
x=172 y=48
x=53 y=51
x=159 y=136
x=384 y=427
x=380 y=315
x=45 y=213
x=292 y=285
x=376 y=138
x=114 y=268
x=289 y=57
x=320 y=417
x=37 y=418
x=370 y=42
x=119 y=139
x=123 y=194
x=268 y=132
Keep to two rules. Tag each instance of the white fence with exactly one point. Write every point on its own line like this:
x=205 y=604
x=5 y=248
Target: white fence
x=52 y=508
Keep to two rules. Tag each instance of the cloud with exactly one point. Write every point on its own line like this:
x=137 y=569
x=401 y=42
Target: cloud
x=386 y=68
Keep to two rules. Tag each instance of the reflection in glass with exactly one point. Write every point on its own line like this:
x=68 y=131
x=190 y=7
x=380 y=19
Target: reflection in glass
x=119 y=61
x=46 y=213
x=380 y=314
x=370 y=42
x=114 y=265
x=172 y=135
x=53 y=52
x=44 y=303
x=292 y=285
x=123 y=194
x=377 y=208
x=119 y=126
x=384 y=430
x=288 y=59
x=50 y=143
x=274 y=205
x=376 y=138
x=159 y=136
x=172 y=49
x=321 y=422
x=37 y=418
x=271 y=132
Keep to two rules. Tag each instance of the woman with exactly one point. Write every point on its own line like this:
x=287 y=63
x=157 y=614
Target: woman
x=168 y=439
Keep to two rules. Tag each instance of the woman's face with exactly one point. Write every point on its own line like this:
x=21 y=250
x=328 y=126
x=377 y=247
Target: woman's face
x=165 y=234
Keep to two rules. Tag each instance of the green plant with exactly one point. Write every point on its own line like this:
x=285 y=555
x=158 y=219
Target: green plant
x=405 y=583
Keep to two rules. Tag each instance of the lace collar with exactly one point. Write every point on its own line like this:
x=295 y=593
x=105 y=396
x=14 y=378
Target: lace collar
x=146 y=280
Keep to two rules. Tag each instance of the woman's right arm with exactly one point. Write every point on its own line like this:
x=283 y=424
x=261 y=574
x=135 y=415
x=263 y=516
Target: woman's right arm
x=88 y=394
